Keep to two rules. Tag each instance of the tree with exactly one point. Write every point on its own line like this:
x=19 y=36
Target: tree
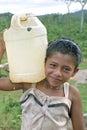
x=83 y=3
x=68 y=4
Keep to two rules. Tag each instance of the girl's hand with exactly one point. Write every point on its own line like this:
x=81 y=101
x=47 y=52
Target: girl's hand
x=2 y=42
x=2 y=45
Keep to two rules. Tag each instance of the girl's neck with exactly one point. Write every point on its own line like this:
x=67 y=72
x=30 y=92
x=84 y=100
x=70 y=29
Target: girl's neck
x=47 y=85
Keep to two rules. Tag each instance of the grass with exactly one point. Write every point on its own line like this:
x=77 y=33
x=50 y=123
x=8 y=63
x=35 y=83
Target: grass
x=83 y=64
x=10 y=110
x=83 y=92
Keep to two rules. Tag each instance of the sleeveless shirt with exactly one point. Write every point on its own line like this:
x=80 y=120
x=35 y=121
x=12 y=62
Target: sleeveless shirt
x=43 y=112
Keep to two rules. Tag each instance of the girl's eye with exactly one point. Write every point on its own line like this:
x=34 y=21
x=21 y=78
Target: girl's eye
x=52 y=65
x=66 y=69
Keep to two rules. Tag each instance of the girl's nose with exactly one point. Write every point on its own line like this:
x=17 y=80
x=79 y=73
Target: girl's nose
x=58 y=72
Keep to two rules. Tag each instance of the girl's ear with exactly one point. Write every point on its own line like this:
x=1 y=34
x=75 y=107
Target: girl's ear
x=75 y=71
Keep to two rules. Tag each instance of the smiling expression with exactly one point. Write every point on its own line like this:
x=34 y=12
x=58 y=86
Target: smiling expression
x=59 y=69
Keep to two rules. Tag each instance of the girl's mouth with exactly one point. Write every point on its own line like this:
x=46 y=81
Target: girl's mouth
x=55 y=79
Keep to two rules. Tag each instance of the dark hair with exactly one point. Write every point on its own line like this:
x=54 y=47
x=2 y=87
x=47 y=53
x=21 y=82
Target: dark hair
x=65 y=46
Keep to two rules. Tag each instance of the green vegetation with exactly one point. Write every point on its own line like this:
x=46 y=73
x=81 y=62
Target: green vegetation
x=5 y=21
x=83 y=91
x=83 y=65
x=10 y=110
x=57 y=26
x=66 y=26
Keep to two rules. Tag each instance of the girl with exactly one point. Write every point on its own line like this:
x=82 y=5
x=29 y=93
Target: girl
x=52 y=102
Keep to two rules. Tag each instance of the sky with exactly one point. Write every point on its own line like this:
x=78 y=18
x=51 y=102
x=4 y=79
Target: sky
x=37 y=7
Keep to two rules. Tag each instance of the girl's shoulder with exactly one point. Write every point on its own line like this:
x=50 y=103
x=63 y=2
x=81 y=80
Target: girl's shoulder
x=26 y=86
x=74 y=93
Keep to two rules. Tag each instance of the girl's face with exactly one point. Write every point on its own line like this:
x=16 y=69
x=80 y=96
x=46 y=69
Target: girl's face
x=59 y=68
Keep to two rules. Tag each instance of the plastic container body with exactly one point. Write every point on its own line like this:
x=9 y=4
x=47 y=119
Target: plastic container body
x=26 y=43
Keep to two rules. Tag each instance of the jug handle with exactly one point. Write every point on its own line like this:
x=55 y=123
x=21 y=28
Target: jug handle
x=15 y=21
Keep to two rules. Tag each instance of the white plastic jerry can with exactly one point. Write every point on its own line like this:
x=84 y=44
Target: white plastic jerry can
x=26 y=43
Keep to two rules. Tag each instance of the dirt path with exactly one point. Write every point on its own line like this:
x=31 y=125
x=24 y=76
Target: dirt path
x=81 y=76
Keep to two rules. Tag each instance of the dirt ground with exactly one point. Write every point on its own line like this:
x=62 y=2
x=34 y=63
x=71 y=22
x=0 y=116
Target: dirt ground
x=85 y=120
x=81 y=76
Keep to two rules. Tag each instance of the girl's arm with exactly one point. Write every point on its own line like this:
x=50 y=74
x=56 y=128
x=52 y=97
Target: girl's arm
x=2 y=51
x=7 y=85
x=2 y=47
x=76 y=110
